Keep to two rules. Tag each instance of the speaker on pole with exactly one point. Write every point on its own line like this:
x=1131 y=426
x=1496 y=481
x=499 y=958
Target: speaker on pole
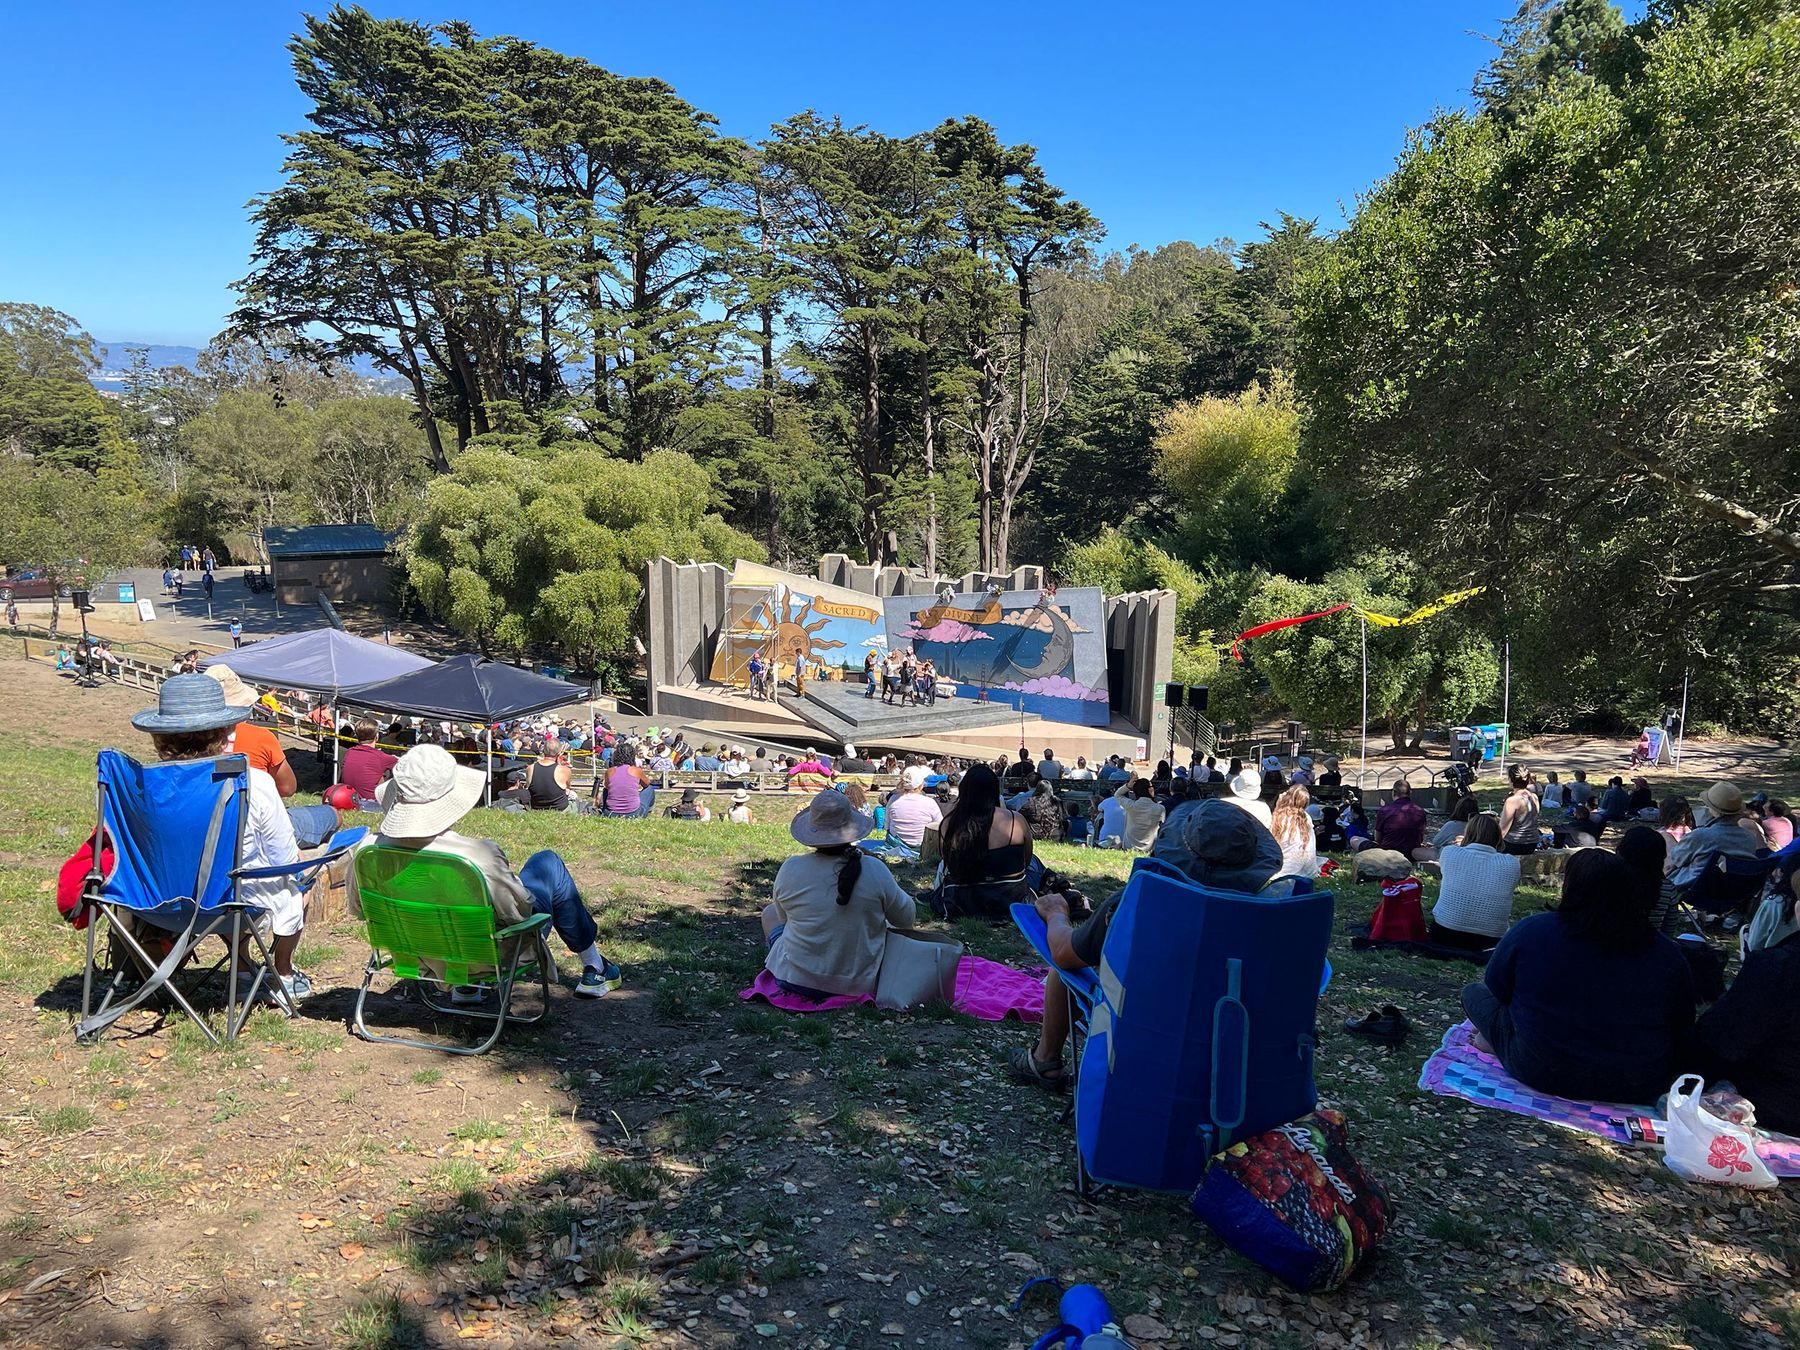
x=1175 y=695
x=1196 y=697
x=80 y=600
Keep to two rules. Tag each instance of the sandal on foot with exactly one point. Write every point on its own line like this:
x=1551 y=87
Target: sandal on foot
x=1026 y=1068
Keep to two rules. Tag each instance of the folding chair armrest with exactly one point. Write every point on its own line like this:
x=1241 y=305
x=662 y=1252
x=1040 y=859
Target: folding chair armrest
x=1083 y=984
x=1149 y=864
x=536 y=923
x=336 y=847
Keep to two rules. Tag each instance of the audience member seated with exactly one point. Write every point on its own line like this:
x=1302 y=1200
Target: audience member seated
x=1293 y=830
x=1581 y=829
x=1356 y=824
x=988 y=858
x=1109 y=820
x=1578 y=791
x=260 y=746
x=365 y=764
x=1615 y=802
x=1646 y=853
x=1474 y=904
x=1519 y=816
x=1272 y=781
x=1043 y=812
x=1777 y=823
x=1465 y=810
x=1673 y=822
x=1220 y=847
x=811 y=774
x=1143 y=816
x=690 y=807
x=626 y=789
x=1400 y=825
x=1302 y=776
x=1331 y=778
x=739 y=814
x=192 y=720
x=1642 y=798
x=1550 y=794
x=1751 y=1036
x=547 y=782
x=1589 y=1001
x=1720 y=836
x=833 y=906
x=424 y=797
x=1245 y=793
x=1330 y=834
x=910 y=812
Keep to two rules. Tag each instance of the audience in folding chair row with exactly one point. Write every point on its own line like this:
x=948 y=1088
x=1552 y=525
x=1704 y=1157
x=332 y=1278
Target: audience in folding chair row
x=191 y=721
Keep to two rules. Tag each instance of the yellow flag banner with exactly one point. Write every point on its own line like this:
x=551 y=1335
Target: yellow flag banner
x=1423 y=612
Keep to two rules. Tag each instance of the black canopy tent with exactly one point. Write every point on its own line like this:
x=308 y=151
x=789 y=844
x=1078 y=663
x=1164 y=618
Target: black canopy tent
x=470 y=689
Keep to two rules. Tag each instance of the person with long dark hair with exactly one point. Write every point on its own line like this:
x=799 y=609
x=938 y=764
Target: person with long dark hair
x=1588 y=1001
x=987 y=851
x=833 y=905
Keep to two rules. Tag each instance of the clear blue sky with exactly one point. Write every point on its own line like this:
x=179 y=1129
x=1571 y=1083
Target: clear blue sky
x=133 y=134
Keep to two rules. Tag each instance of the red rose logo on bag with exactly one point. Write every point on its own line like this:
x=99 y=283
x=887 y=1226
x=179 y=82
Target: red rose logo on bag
x=1727 y=1155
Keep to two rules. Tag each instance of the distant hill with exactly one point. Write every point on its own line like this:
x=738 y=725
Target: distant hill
x=115 y=361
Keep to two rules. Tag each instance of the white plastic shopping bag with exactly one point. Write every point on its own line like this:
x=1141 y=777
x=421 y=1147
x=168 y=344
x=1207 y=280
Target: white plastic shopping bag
x=1702 y=1147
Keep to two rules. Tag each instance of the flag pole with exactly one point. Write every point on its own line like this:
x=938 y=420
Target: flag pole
x=1681 y=736
x=1506 y=709
x=1363 y=766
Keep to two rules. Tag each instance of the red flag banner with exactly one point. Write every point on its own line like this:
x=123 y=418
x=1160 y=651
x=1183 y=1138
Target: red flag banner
x=1274 y=624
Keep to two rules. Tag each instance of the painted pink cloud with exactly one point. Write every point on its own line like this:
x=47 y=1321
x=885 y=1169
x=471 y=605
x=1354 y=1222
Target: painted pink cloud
x=944 y=630
x=1059 y=686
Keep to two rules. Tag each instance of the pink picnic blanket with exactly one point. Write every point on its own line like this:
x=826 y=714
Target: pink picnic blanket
x=984 y=989
x=1458 y=1069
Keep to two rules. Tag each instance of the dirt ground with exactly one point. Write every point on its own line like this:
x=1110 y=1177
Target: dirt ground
x=670 y=1166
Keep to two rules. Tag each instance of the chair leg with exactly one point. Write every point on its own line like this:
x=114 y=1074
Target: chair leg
x=360 y=1026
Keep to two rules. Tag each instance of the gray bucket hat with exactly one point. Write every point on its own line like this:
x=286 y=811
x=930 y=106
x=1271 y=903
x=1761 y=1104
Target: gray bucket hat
x=830 y=820
x=188 y=703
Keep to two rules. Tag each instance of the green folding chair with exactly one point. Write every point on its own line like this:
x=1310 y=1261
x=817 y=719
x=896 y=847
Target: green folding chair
x=430 y=922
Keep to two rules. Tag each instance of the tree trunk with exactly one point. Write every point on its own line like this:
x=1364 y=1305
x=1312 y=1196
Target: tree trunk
x=1396 y=725
x=929 y=429
x=869 y=444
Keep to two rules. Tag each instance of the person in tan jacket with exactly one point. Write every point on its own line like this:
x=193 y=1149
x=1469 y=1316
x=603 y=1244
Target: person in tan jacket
x=425 y=794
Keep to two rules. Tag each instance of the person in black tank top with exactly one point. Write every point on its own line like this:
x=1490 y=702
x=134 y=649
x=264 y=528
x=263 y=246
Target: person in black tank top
x=546 y=788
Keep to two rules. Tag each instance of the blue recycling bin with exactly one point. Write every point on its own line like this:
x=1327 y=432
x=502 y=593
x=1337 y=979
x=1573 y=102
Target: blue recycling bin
x=1495 y=741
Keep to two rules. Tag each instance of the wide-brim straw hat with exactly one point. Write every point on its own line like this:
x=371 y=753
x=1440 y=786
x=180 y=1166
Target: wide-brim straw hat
x=830 y=820
x=1246 y=785
x=426 y=793
x=740 y=797
x=237 y=693
x=186 y=704
x=1724 y=799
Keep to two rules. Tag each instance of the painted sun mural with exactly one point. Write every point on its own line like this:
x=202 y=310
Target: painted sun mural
x=780 y=616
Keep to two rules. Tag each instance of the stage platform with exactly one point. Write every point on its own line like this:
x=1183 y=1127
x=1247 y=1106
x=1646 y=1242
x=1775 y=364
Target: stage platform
x=831 y=714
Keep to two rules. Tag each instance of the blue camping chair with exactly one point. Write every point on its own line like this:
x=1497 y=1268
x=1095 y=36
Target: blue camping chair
x=1728 y=885
x=1200 y=1024
x=176 y=831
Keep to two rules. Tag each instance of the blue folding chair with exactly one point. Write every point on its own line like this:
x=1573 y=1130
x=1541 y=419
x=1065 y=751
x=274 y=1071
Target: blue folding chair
x=1200 y=1024
x=1727 y=885
x=176 y=832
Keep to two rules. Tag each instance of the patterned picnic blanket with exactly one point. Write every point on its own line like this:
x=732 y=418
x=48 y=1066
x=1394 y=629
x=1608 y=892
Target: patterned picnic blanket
x=985 y=989
x=1458 y=1069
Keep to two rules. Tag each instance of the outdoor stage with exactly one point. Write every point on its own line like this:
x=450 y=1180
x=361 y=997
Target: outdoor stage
x=832 y=714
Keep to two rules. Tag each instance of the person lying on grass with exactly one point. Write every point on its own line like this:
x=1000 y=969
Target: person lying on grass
x=428 y=792
x=827 y=926
x=1219 y=846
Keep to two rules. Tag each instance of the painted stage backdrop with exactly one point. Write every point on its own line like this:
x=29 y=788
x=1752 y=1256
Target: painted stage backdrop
x=783 y=615
x=1047 y=651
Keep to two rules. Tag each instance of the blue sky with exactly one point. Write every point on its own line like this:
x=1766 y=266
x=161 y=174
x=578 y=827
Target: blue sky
x=132 y=135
